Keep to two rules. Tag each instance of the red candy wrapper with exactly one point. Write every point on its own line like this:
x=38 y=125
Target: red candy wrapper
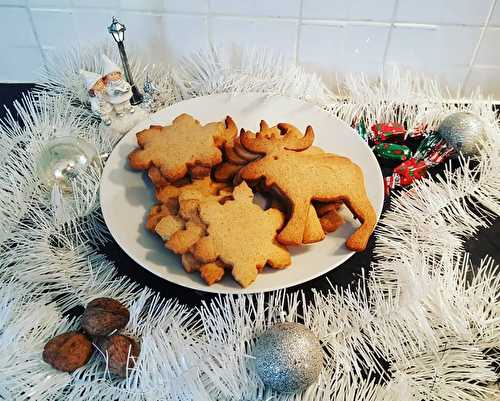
x=431 y=151
x=393 y=132
x=405 y=174
x=411 y=170
x=390 y=183
x=439 y=153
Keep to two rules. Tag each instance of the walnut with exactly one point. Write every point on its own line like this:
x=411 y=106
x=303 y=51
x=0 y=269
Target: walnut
x=68 y=351
x=104 y=315
x=121 y=352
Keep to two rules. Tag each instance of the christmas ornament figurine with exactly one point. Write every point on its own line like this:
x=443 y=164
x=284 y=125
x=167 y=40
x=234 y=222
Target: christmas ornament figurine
x=118 y=91
x=96 y=90
x=288 y=357
x=153 y=100
x=463 y=131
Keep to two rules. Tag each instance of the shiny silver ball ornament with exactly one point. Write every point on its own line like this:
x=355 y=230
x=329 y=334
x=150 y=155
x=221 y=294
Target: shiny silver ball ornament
x=62 y=159
x=288 y=357
x=463 y=131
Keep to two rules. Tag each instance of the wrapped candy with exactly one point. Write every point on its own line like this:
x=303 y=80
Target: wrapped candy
x=388 y=132
x=405 y=174
x=434 y=150
x=390 y=183
x=411 y=170
x=440 y=153
x=362 y=130
x=392 y=151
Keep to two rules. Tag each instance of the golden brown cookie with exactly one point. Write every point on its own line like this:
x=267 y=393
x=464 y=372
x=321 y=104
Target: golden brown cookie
x=204 y=186
x=303 y=178
x=191 y=230
x=226 y=171
x=182 y=231
x=331 y=221
x=241 y=235
x=158 y=212
x=313 y=231
x=232 y=156
x=325 y=208
x=156 y=178
x=328 y=215
x=174 y=148
x=168 y=226
x=198 y=172
x=189 y=262
x=211 y=272
x=242 y=152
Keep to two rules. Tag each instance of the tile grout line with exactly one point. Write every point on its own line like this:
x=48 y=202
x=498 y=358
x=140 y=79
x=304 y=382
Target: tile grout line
x=209 y=15
x=299 y=31
x=37 y=38
x=304 y=21
x=478 y=44
x=389 y=37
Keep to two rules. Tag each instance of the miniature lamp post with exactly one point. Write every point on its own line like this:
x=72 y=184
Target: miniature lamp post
x=117 y=30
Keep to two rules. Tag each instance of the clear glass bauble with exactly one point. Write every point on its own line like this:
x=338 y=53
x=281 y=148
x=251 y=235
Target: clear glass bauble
x=62 y=159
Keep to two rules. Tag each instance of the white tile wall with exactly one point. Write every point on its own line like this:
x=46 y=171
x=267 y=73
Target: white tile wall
x=54 y=28
x=275 y=34
x=194 y=6
x=456 y=41
x=350 y=48
x=180 y=41
x=460 y=12
x=366 y=10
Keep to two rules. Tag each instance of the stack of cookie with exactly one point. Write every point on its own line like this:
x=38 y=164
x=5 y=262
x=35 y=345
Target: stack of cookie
x=203 y=175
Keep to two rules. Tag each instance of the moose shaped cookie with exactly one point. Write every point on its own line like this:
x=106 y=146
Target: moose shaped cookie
x=184 y=145
x=301 y=177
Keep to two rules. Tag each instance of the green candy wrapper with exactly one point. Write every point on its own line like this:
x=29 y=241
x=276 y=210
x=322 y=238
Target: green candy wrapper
x=392 y=152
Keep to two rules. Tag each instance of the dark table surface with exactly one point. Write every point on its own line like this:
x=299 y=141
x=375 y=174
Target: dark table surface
x=487 y=242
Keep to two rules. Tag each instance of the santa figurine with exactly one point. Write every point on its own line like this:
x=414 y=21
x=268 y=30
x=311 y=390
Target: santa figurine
x=96 y=90
x=118 y=91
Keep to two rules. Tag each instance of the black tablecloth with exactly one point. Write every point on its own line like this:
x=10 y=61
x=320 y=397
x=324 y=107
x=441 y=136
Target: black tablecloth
x=487 y=242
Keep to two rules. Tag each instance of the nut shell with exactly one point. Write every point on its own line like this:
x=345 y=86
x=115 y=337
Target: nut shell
x=68 y=351
x=121 y=351
x=104 y=315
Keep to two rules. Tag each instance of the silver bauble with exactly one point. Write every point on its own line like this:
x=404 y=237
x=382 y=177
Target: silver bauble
x=62 y=159
x=463 y=131
x=288 y=357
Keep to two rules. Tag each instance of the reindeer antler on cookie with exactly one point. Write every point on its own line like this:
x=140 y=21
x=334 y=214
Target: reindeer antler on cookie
x=289 y=138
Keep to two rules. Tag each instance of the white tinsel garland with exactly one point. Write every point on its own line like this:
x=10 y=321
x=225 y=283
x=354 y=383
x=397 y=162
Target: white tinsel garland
x=419 y=327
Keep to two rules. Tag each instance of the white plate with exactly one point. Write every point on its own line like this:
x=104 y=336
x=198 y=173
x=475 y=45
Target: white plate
x=126 y=195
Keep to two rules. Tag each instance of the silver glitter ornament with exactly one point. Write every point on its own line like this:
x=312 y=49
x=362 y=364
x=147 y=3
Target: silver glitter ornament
x=288 y=357
x=62 y=159
x=463 y=131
